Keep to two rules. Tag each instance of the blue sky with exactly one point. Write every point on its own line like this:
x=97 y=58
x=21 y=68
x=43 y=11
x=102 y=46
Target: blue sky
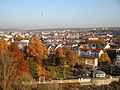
x=33 y=14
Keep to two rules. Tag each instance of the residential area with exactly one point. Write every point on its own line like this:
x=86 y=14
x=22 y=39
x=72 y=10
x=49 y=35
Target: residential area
x=67 y=54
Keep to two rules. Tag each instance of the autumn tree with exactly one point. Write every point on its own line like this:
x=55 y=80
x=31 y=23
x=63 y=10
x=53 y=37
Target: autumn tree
x=59 y=52
x=99 y=41
x=71 y=55
x=54 y=72
x=34 y=38
x=59 y=55
x=3 y=46
x=40 y=70
x=36 y=50
x=105 y=58
x=19 y=57
x=7 y=70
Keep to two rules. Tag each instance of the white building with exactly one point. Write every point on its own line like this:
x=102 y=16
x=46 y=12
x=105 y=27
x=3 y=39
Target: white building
x=107 y=46
x=23 y=44
x=92 y=62
x=92 y=38
x=99 y=74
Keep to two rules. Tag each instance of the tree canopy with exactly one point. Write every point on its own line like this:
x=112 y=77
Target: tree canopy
x=105 y=58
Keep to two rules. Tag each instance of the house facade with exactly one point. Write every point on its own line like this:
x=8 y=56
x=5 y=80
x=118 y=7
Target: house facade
x=99 y=74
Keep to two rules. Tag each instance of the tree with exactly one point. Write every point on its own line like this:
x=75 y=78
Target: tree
x=112 y=55
x=65 y=66
x=59 y=52
x=40 y=70
x=54 y=72
x=33 y=68
x=59 y=56
x=19 y=57
x=62 y=53
x=99 y=41
x=36 y=50
x=36 y=70
x=71 y=55
x=7 y=70
x=3 y=46
x=105 y=58
x=35 y=38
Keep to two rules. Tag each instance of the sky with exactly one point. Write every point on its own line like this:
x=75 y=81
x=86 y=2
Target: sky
x=35 y=14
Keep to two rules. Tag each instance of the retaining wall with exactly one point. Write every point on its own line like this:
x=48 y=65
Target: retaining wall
x=82 y=81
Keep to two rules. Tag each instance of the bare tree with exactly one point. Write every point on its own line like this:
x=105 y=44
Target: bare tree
x=7 y=70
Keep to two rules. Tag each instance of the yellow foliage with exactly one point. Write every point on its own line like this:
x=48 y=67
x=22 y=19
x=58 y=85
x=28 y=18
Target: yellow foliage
x=40 y=70
x=105 y=58
x=111 y=43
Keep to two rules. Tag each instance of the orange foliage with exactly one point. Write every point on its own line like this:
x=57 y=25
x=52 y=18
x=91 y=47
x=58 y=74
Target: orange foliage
x=35 y=38
x=71 y=55
x=41 y=70
x=18 y=57
x=95 y=41
x=99 y=41
x=36 y=49
x=3 y=46
x=65 y=50
x=60 y=52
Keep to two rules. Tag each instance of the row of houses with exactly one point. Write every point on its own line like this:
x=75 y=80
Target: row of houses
x=74 y=39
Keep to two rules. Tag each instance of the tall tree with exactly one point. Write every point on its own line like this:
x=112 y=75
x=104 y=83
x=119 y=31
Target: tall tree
x=71 y=55
x=36 y=50
x=65 y=53
x=7 y=70
x=59 y=56
x=19 y=57
x=33 y=68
